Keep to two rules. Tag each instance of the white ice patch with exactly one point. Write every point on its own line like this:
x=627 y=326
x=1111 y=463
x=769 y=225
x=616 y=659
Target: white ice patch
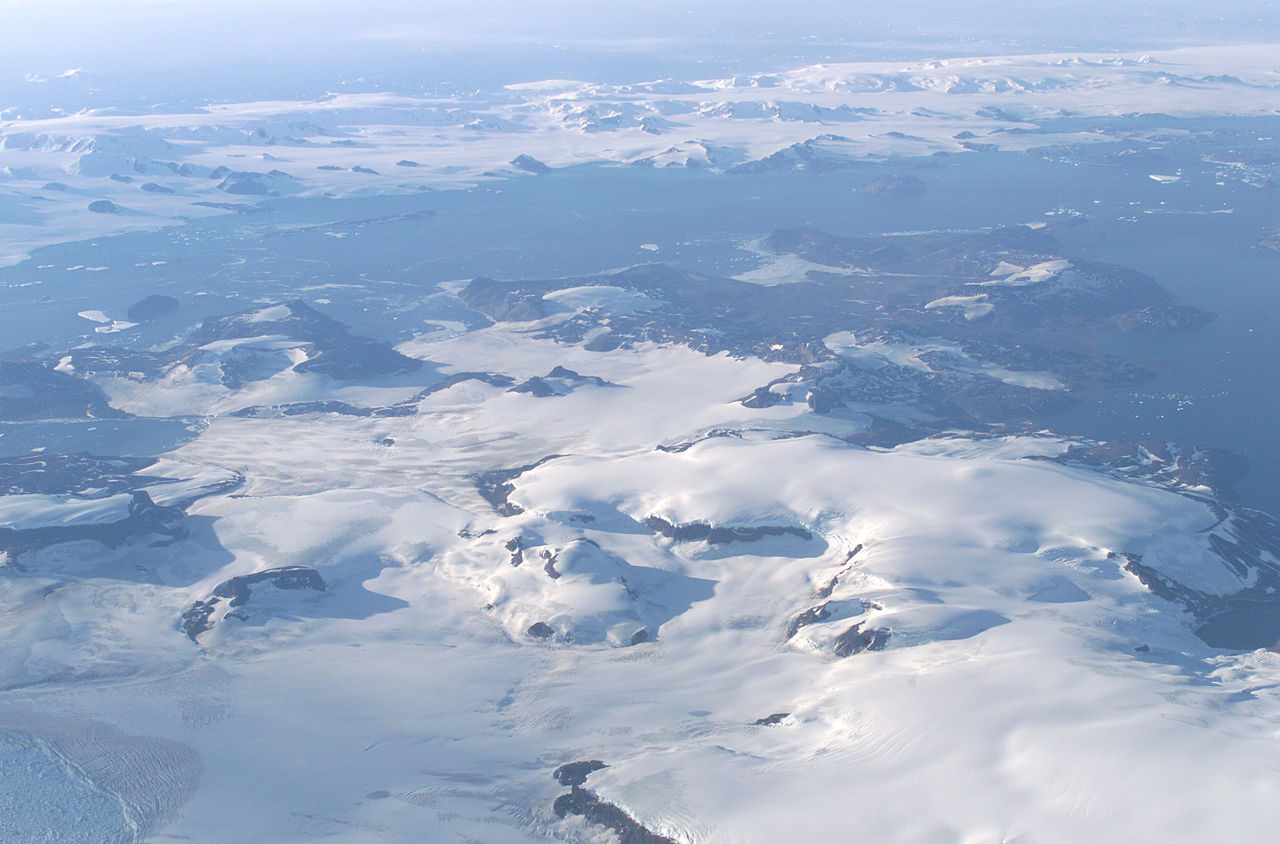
x=974 y=307
x=785 y=268
x=877 y=354
x=1015 y=276
x=115 y=327
x=26 y=512
x=271 y=314
x=609 y=299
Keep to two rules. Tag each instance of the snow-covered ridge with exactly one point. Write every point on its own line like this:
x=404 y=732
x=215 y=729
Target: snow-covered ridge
x=150 y=166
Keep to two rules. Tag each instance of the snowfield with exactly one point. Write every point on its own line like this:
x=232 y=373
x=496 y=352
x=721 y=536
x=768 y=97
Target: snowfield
x=1015 y=681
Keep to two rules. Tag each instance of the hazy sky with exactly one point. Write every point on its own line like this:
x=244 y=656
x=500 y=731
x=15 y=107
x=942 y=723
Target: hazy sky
x=303 y=44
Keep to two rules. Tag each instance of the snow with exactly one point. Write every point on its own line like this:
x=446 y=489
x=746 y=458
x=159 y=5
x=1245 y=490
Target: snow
x=1012 y=632
x=614 y=300
x=782 y=269
x=876 y=109
x=1014 y=276
x=877 y=354
x=974 y=307
x=1031 y=688
x=25 y=512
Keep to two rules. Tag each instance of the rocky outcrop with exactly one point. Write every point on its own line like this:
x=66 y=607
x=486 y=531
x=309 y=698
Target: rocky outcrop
x=456 y=378
x=588 y=805
x=558 y=382
x=330 y=349
x=1168 y=316
x=895 y=185
x=238 y=591
x=763 y=397
x=52 y=473
x=1247 y=544
x=152 y=307
x=530 y=165
x=576 y=773
x=307 y=407
x=144 y=517
x=272 y=183
x=856 y=640
x=503 y=302
x=713 y=535
x=813 y=615
x=495 y=486
x=540 y=630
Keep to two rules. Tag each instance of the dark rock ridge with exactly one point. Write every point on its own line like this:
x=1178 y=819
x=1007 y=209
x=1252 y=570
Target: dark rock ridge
x=331 y=349
x=540 y=630
x=895 y=185
x=238 y=590
x=456 y=378
x=822 y=154
x=826 y=611
x=505 y=302
x=82 y=476
x=576 y=773
x=495 y=486
x=933 y=291
x=703 y=532
x=516 y=546
x=144 y=518
x=236 y=207
x=1169 y=316
x=585 y=803
x=530 y=164
x=409 y=407
x=354 y=223
x=558 y=382
x=762 y=397
x=152 y=307
x=713 y=434
x=856 y=640
x=1248 y=544
x=307 y=407
x=813 y=615
x=830 y=586
x=536 y=387
x=272 y=183
x=771 y=720
x=1166 y=464
x=32 y=390
x=52 y=473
